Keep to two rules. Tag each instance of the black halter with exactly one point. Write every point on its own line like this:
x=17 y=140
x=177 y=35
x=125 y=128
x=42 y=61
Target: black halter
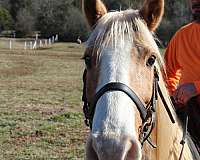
x=117 y=86
x=147 y=113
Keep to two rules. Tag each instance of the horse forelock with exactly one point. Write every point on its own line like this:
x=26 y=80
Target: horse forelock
x=116 y=27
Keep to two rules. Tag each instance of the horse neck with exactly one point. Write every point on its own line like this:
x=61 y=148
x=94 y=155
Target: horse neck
x=168 y=134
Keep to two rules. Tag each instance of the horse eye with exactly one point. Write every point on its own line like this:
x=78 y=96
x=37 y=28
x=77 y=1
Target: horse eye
x=151 y=60
x=88 y=61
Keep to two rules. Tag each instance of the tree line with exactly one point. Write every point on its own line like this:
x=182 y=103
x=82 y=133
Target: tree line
x=65 y=18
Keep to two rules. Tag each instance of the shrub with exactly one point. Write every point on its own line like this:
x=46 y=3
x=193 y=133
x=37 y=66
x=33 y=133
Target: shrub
x=60 y=18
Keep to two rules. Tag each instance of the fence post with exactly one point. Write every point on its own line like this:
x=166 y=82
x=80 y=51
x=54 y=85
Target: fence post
x=56 y=38
x=36 y=37
x=35 y=45
x=41 y=43
x=31 y=45
x=46 y=42
x=25 y=45
x=53 y=39
x=10 y=44
x=49 y=41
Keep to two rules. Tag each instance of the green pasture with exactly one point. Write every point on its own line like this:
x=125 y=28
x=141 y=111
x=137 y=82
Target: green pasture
x=40 y=103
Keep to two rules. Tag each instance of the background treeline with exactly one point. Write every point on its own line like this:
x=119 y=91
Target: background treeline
x=64 y=17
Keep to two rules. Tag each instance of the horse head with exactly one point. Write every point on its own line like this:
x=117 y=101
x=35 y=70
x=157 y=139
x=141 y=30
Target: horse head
x=119 y=58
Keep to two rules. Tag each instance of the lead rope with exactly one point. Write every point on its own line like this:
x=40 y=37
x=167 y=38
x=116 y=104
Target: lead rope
x=184 y=137
x=84 y=99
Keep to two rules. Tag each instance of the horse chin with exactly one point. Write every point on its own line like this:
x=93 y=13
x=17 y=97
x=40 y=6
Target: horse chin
x=104 y=148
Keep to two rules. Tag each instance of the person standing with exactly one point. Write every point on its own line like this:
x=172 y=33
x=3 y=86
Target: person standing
x=182 y=60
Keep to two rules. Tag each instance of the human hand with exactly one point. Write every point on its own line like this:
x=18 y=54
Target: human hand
x=184 y=92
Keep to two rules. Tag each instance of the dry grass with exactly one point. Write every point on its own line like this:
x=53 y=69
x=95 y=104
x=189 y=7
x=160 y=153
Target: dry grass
x=40 y=103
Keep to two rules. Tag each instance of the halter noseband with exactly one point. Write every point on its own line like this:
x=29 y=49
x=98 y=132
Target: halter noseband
x=117 y=86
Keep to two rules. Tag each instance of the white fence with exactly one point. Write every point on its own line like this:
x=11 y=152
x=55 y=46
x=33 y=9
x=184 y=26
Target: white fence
x=27 y=44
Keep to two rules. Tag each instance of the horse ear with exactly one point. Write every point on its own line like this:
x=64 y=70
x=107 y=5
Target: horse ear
x=94 y=10
x=152 y=12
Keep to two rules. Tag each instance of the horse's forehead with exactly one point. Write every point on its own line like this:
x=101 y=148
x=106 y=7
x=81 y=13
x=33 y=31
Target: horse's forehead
x=115 y=23
x=116 y=29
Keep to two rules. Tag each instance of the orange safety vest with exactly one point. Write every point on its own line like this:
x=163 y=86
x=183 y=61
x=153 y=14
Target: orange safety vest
x=182 y=57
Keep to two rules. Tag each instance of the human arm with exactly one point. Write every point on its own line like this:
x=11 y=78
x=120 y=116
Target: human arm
x=173 y=73
x=184 y=93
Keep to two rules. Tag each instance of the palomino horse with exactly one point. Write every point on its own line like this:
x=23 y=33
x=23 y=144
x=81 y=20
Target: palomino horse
x=120 y=80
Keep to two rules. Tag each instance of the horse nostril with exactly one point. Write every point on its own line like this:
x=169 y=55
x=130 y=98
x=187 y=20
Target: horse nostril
x=90 y=151
x=112 y=147
x=135 y=151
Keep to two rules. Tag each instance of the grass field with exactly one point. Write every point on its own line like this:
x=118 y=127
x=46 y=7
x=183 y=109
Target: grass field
x=40 y=103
